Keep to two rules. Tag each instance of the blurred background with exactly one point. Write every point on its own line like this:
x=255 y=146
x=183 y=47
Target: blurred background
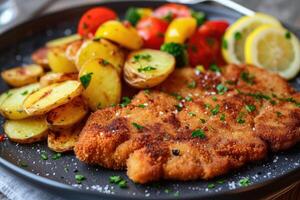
x=13 y=12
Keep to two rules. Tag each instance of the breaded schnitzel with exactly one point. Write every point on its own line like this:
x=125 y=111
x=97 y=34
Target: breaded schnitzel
x=195 y=125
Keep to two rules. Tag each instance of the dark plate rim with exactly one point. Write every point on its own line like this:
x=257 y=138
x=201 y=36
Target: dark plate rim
x=273 y=183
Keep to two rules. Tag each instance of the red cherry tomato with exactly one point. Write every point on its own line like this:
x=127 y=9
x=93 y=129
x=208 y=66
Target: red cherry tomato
x=214 y=28
x=93 y=18
x=204 y=47
x=172 y=10
x=152 y=30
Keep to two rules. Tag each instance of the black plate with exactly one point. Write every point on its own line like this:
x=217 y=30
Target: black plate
x=58 y=176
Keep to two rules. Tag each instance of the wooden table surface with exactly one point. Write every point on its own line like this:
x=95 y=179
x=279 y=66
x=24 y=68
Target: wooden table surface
x=286 y=10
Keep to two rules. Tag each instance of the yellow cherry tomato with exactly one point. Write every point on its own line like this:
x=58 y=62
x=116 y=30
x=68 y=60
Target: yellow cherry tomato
x=180 y=29
x=125 y=35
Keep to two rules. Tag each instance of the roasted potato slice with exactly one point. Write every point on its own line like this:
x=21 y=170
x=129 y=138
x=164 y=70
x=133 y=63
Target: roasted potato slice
x=26 y=131
x=40 y=57
x=147 y=68
x=21 y=76
x=101 y=49
x=12 y=104
x=52 y=96
x=64 y=140
x=116 y=31
x=72 y=50
x=53 y=77
x=67 y=115
x=63 y=41
x=101 y=82
x=59 y=62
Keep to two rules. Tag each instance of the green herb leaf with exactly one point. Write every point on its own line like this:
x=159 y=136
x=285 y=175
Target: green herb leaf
x=224 y=43
x=115 y=179
x=202 y=121
x=215 y=111
x=244 y=182
x=221 y=88
x=56 y=156
x=168 y=17
x=146 y=69
x=24 y=93
x=125 y=102
x=122 y=184
x=215 y=68
x=237 y=35
x=279 y=114
x=44 y=156
x=177 y=96
x=240 y=119
x=138 y=57
x=198 y=133
x=247 y=77
x=86 y=79
x=192 y=85
x=222 y=117
x=137 y=126
x=132 y=15
x=250 y=108
x=142 y=106
x=79 y=178
x=211 y=186
x=214 y=98
x=188 y=98
x=288 y=35
x=199 y=16
x=179 y=107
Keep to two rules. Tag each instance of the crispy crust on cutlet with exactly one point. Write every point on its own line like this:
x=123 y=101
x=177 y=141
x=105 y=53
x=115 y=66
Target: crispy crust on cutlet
x=155 y=141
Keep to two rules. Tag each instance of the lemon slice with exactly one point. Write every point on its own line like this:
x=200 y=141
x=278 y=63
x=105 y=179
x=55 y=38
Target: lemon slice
x=236 y=34
x=275 y=49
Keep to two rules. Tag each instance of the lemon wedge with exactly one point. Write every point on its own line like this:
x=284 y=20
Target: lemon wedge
x=275 y=49
x=235 y=36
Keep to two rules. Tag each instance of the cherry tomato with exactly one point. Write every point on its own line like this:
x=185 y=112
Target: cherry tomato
x=152 y=30
x=170 y=11
x=214 y=28
x=204 y=47
x=93 y=18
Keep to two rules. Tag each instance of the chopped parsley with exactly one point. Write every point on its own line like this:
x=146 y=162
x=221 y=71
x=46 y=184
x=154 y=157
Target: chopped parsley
x=146 y=69
x=192 y=114
x=288 y=35
x=24 y=93
x=250 y=108
x=215 y=111
x=138 y=57
x=188 y=98
x=79 y=178
x=198 y=133
x=56 y=156
x=199 y=16
x=177 y=96
x=192 y=85
x=222 y=117
x=244 y=182
x=86 y=79
x=118 y=180
x=211 y=186
x=141 y=105
x=214 y=98
x=240 y=118
x=237 y=35
x=179 y=107
x=125 y=102
x=44 y=156
x=215 y=68
x=247 y=77
x=137 y=126
x=207 y=105
x=224 y=44
x=279 y=114
x=221 y=88
x=220 y=181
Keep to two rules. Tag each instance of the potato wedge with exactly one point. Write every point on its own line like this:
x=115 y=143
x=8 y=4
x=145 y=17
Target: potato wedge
x=147 y=68
x=12 y=106
x=67 y=115
x=72 y=50
x=40 y=57
x=21 y=76
x=26 y=131
x=52 y=96
x=59 y=62
x=53 y=77
x=64 y=140
x=63 y=40
x=101 y=82
x=101 y=49
x=116 y=31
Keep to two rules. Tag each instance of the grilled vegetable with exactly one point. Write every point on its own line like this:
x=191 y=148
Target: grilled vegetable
x=21 y=76
x=101 y=82
x=52 y=96
x=123 y=34
x=12 y=101
x=63 y=41
x=101 y=49
x=180 y=30
x=26 y=131
x=63 y=140
x=67 y=115
x=53 y=77
x=59 y=62
x=93 y=18
x=147 y=68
